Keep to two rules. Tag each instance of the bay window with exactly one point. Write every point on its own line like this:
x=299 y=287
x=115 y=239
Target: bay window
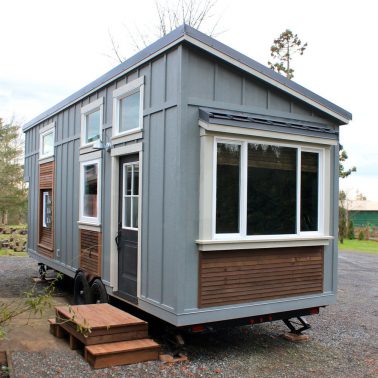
x=266 y=189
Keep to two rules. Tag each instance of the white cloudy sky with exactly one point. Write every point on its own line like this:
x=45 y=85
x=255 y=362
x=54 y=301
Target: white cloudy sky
x=49 y=49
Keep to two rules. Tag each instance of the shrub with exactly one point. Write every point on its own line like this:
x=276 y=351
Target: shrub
x=350 y=230
x=361 y=235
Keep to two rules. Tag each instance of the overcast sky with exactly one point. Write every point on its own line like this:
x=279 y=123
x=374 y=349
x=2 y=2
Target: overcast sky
x=49 y=49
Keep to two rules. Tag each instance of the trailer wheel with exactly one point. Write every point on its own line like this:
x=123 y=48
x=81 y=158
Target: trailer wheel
x=81 y=289
x=98 y=292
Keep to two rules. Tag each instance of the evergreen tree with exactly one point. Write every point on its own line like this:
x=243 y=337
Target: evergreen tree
x=283 y=49
x=13 y=199
x=343 y=156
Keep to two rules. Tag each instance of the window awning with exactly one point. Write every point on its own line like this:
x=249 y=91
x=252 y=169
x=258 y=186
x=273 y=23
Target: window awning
x=267 y=123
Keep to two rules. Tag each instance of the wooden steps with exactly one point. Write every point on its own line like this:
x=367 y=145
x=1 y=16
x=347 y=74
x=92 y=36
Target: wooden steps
x=109 y=336
x=121 y=353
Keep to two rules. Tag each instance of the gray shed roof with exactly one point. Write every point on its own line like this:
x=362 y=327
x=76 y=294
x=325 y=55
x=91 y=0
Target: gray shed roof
x=193 y=36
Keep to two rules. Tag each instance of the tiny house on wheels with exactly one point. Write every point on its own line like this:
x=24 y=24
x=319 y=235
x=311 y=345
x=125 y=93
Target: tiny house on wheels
x=191 y=182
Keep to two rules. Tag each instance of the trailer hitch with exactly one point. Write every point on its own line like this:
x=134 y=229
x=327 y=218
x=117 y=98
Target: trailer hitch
x=303 y=325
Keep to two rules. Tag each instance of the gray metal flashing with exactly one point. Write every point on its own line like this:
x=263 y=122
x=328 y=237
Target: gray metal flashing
x=268 y=123
x=182 y=33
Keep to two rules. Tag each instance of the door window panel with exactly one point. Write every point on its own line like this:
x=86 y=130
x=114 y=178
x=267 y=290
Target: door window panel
x=130 y=199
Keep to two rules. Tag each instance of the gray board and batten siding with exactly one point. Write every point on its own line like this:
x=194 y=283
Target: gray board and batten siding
x=181 y=83
x=160 y=112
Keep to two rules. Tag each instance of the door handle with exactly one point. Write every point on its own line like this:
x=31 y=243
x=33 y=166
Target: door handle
x=117 y=238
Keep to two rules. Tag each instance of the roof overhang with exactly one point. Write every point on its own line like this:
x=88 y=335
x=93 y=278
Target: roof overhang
x=190 y=35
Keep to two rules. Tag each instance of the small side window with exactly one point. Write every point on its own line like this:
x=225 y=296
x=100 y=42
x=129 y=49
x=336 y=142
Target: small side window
x=47 y=209
x=47 y=140
x=90 y=191
x=91 y=122
x=128 y=107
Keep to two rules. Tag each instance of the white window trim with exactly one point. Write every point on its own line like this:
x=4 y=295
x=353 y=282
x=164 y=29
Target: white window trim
x=82 y=218
x=242 y=235
x=48 y=129
x=85 y=110
x=119 y=94
x=45 y=196
x=124 y=195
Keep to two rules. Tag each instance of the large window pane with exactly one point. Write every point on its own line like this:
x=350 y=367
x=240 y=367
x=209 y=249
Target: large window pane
x=129 y=112
x=309 y=191
x=93 y=126
x=90 y=190
x=271 y=202
x=48 y=144
x=228 y=188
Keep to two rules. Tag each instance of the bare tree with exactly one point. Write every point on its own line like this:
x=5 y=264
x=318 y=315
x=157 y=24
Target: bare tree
x=200 y=14
x=191 y=12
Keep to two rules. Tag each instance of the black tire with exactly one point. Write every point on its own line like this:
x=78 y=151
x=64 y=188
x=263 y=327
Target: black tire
x=98 y=292
x=82 y=293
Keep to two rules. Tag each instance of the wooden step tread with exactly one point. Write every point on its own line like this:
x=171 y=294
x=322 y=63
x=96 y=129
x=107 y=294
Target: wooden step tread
x=52 y=321
x=121 y=347
x=98 y=316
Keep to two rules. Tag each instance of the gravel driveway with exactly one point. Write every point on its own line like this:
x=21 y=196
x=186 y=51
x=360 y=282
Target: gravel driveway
x=343 y=343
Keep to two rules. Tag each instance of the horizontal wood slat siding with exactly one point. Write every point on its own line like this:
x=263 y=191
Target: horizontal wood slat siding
x=228 y=277
x=46 y=235
x=90 y=251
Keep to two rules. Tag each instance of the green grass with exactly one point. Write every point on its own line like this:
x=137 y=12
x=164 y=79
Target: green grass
x=16 y=226
x=364 y=246
x=10 y=252
x=16 y=237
